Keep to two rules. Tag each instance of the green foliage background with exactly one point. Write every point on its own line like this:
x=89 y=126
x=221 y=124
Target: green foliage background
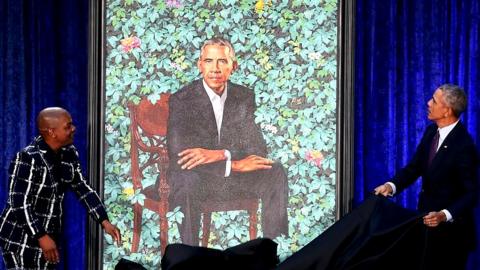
x=287 y=55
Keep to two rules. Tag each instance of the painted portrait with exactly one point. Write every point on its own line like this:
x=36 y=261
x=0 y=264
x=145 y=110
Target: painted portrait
x=287 y=65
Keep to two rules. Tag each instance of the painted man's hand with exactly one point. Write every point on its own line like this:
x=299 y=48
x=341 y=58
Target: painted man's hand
x=191 y=158
x=384 y=190
x=251 y=163
x=113 y=231
x=49 y=249
x=433 y=219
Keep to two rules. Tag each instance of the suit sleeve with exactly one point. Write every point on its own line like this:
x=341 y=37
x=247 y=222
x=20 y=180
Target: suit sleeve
x=467 y=171
x=408 y=174
x=87 y=196
x=180 y=136
x=22 y=177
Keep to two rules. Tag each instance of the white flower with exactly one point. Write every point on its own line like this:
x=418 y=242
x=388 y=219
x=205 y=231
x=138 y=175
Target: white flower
x=109 y=128
x=314 y=56
x=271 y=128
x=176 y=66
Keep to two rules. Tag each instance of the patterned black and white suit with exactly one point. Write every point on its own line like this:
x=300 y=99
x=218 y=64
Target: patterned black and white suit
x=39 y=178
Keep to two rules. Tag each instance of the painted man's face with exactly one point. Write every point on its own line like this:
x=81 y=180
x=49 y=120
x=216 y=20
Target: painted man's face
x=216 y=66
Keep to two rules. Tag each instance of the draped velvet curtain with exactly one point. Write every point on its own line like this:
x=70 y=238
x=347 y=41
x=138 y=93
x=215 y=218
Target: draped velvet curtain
x=44 y=62
x=404 y=51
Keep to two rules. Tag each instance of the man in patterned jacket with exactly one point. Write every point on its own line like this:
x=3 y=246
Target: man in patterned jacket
x=39 y=175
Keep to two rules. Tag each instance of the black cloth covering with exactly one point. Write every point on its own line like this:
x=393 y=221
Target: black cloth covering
x=125 y=264
x=258 y=254
x=378 y=234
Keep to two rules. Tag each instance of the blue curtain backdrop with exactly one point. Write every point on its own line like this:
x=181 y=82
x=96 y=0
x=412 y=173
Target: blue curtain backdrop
x=44 y=62
x=404 y=51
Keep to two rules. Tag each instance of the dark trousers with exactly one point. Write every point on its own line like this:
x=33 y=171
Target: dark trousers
x=445 y=248
x=188 y=189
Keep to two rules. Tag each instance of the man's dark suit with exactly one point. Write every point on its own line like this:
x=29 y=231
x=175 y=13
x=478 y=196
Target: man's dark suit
x=450 y=182
x=192 y=124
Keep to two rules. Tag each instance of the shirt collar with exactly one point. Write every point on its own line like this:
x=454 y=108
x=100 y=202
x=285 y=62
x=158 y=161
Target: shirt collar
x=48 y=154
x=42 y=145
x=444 y=131
x=212 y=95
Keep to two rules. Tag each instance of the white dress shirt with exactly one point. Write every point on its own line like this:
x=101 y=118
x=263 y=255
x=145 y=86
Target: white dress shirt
x=218 y=103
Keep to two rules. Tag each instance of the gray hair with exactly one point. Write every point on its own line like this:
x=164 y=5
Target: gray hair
x=455 y=98
x=222 y=42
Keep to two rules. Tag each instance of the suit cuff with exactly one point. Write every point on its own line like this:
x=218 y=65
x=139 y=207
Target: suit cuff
x=448 y=215
x=394 y=188
x=228 y=164
x=39 y=235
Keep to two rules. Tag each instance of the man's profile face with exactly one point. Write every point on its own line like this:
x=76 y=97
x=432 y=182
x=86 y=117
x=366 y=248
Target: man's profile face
x=437 y=108
x=64 y=129
x=216 y=66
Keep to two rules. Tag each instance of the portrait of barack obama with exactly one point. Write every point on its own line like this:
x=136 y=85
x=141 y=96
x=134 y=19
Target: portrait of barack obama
x=217 y=151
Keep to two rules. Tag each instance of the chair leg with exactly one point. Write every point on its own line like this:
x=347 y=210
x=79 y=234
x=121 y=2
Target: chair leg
x=253 y=224
x=207 y=219
x=137 y=226
x=163 y=225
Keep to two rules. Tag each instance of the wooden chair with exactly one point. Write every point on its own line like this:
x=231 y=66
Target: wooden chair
x=148 y=134
x=207 y=207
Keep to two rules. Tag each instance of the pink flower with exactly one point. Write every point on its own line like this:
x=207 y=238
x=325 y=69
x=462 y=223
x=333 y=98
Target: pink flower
x=314 y=156
x=174 y=3
x=129 y=43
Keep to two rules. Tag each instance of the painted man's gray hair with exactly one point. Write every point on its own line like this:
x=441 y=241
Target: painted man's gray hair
x=455 y=98
x=222 y=42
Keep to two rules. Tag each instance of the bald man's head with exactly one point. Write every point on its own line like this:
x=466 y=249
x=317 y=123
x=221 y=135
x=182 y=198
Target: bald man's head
x=56 y=127
x=49 y=118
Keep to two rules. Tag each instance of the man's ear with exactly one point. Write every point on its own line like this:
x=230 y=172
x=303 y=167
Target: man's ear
x=449 y=112
x=235 y=65
x=199 y=62
x=51 y=133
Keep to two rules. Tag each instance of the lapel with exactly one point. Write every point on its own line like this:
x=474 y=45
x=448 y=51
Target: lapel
x=201 y=104
x=46 y=154
x=49 y=158
x=446 y=146
x=230 y=111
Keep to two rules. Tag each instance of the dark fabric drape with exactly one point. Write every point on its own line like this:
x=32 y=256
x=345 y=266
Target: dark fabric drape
x=404 y=51
x=372 y=236
x=257 y=254
x=43 y=62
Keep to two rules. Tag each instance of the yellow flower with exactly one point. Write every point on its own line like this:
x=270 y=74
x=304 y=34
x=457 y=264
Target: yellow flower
x=295 y=148
x=315 y=156
x=259 y=6
x=128 y=191
x=129 y=43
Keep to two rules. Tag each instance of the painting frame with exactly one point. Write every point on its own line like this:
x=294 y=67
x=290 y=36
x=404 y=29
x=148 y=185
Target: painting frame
x=345 y=115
